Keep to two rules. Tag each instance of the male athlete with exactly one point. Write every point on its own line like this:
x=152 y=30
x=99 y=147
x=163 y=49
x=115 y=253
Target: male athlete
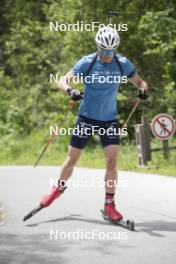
x=98 y=108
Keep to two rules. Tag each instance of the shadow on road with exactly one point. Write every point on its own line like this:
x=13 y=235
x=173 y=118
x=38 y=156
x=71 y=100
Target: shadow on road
x=152 y=227
x=72 y=217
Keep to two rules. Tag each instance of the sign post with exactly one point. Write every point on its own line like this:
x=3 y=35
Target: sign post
x=142 y=135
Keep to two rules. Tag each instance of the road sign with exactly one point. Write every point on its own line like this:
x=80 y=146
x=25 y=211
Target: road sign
x=163 y=126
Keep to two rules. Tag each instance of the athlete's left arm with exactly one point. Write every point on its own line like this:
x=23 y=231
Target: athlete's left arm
x=137 y=81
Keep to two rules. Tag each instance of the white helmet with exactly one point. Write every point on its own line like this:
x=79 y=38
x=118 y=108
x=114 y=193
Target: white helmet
x=107 y=38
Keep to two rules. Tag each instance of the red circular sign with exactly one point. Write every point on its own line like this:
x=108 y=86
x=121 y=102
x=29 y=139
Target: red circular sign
x=163 y=126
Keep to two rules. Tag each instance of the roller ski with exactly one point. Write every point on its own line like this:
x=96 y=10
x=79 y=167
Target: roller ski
x=111 y=215
x=46 y=201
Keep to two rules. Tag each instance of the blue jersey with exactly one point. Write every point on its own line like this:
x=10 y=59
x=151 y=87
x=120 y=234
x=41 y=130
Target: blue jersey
x=100 y=91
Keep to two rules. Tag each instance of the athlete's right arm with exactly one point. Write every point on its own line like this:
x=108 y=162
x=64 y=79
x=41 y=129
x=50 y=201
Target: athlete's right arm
x=78 y=69
x=64 y=82
x=64 y=85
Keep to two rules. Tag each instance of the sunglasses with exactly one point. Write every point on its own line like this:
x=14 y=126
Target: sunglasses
x=104 y=52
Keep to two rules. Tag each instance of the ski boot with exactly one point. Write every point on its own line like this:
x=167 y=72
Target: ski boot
x=47 y=200
x=111 y=213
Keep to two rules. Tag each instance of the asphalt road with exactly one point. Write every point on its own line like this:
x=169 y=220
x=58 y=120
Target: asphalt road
x=72 y=230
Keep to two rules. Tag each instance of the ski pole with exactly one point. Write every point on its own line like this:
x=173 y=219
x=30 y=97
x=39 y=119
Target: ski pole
x=53 y=136
x=125 y=124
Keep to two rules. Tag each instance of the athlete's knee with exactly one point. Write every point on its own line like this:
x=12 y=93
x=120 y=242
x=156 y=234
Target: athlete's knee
x=111 y=163
x=70 y=162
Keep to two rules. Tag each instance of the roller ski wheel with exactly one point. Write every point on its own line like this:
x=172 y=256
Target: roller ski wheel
x=33 y=212
x=128 y=224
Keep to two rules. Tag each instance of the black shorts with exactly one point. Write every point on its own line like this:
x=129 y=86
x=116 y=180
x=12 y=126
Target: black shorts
x=86 y=127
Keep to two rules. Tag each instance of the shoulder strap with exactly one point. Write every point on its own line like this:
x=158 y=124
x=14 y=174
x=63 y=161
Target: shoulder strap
x=119 y=65
x=91 y=66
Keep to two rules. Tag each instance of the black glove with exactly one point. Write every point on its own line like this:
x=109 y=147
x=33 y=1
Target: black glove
x=142 y=95
x=75 y=94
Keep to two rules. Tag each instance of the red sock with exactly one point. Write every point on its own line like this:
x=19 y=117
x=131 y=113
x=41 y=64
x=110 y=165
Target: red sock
x=109 y=198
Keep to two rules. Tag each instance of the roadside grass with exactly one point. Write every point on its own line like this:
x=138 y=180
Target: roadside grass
x=25 y=151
